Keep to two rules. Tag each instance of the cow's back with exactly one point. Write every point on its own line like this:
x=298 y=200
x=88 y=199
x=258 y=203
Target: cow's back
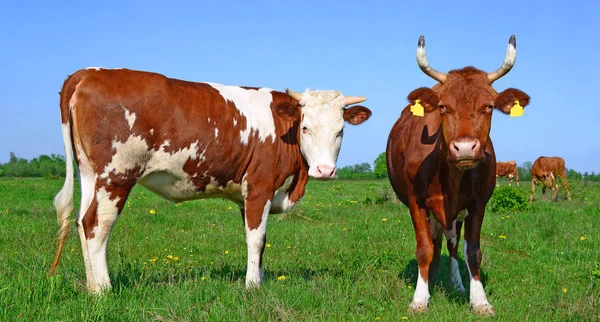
x=544 y=165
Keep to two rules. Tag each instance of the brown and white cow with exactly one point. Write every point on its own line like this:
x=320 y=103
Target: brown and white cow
x=442 y=167
x=508 y=169
x=186 y=140
x=545 y=170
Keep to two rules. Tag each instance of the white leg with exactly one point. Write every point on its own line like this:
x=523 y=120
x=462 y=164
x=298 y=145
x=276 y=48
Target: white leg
x=421 y=296
x=455 y=279
x=95 y=246
x=452 y=240
x=255 y=240
x=87 y=180
x=478 y=299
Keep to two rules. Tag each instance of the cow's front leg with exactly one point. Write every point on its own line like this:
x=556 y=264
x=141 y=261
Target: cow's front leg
x=255 y=213
x=473 y=257
x=424 y=254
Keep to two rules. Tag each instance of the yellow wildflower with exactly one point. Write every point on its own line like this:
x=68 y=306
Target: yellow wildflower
x=564 y=290
x=502 y=236
x=152 y=211
x=226 y=252
x=581 y=238
x=281 y=278
x=383 y=219
x=268 y=245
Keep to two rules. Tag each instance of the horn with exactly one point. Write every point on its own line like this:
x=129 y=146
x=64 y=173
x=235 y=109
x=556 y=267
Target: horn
x=424 y=65
x=295 y=95
x=509 y=60
x=349 y=100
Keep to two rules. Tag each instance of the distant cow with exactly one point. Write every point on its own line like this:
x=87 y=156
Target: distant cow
x=508 y=169
x=441 y=162
x=545 y=170
x=185 y=140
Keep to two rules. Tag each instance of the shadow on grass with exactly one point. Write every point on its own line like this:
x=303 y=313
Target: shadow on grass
x=130 y=276
x=442 y=280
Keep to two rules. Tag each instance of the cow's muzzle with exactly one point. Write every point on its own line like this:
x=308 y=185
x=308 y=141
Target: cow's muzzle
x=465 y=152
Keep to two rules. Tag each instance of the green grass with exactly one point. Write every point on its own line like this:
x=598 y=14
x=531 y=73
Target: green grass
x=347 y=253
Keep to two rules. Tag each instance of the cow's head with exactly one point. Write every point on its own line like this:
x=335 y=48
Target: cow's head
x=548 y=180
x=322 y=127
x=465 y=100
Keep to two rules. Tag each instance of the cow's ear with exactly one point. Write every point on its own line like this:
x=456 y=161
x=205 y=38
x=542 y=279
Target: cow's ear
x=356 y=114
x=507 y=99
x=288 y=111
x=427 y=98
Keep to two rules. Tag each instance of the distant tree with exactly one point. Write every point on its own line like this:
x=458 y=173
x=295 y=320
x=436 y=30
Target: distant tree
x=524 y=171
x=573 y=175
x=52 y=166
x=380 y=170
x=357 y=171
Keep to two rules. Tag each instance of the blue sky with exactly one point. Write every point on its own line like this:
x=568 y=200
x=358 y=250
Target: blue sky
x=362 y=48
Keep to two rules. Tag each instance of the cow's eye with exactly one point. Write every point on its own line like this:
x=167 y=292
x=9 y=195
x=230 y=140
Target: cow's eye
x=442 y=108
x=489 y=109
x=304 y=130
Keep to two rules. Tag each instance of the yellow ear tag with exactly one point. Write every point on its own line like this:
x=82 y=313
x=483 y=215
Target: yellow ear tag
x=516 y=110
x=417 y=109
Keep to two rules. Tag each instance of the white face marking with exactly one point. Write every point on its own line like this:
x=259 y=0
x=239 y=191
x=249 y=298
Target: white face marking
x=255 y=241
x=216 y=132
x=422 y=292
x=323 y=122
x=234 y=122
x=477 y=297
x=255 y=105
x=281 y=200
x=151 y=131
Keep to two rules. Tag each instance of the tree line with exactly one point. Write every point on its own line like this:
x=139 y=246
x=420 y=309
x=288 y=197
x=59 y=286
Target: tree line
x=53 y=166
x=44 y=166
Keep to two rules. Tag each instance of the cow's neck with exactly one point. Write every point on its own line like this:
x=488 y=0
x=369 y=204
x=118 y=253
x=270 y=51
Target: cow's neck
x=450 y=178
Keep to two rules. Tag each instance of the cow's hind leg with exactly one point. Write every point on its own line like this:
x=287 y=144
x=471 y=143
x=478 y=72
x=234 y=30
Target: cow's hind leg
x=532 y=189
x=100 y=208
x=436 y=235
x=452 y=239
x=473 y=257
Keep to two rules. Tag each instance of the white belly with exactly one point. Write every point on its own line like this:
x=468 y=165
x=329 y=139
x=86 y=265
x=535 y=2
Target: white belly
x=176 y=189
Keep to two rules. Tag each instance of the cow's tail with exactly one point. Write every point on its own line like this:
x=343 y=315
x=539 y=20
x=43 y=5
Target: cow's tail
x=63 y=202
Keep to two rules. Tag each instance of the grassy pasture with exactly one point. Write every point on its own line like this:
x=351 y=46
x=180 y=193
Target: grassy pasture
x=345 y=253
